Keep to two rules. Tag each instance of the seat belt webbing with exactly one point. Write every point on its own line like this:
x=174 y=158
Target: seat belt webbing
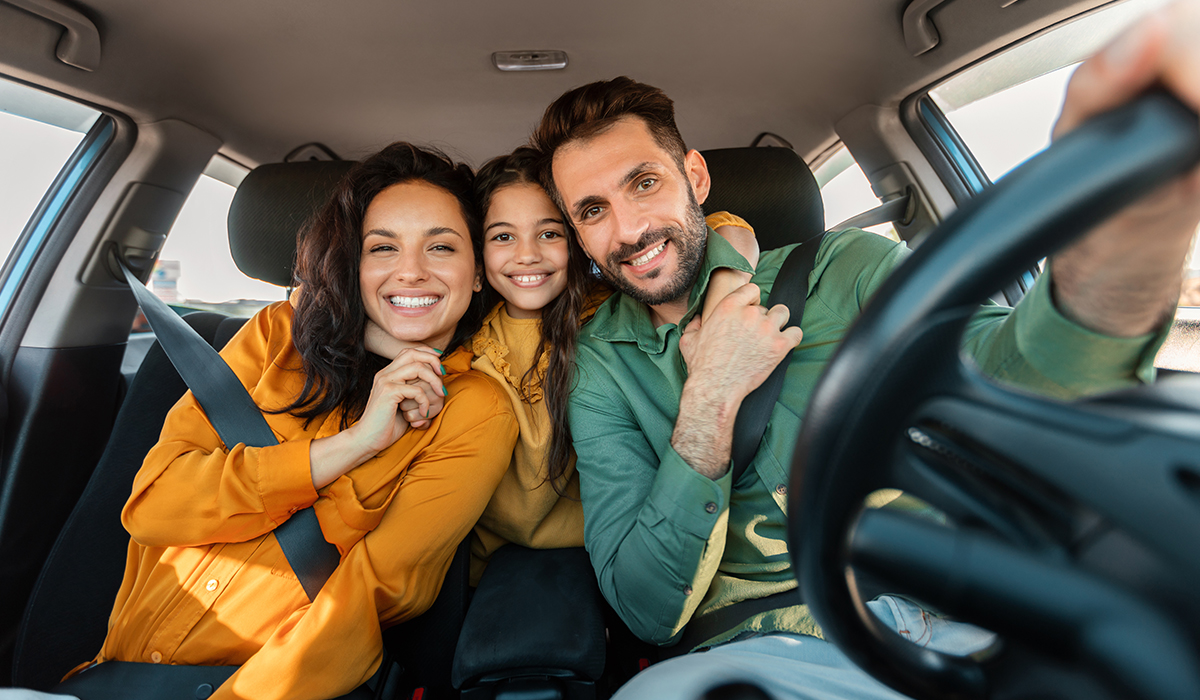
x=236 y=418
x=791 y=289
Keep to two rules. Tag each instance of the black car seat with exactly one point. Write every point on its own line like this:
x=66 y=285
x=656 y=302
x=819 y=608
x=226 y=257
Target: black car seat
x=536 y=625
x=66 y=618
x=771 y=188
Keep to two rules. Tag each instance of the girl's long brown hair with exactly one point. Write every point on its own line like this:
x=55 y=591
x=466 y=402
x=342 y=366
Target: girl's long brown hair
x=330 y=320
x=560 y=318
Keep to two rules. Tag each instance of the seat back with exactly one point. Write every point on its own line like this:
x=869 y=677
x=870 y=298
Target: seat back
x=771 y=188
x=66 y=618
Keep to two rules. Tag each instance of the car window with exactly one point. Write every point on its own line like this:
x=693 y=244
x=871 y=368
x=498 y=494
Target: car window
x=195 y=269
x=39 y=133
x=846 y=191
x=1004 y=109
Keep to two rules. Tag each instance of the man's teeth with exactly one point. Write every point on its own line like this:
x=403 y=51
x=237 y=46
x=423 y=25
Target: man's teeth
x=649 y=255
x=528 y=279
x=413 y=302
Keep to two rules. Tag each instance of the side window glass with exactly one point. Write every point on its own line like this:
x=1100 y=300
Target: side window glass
x=1004 y=110
x=38 y=134
x=195 y=269
x=846 y=192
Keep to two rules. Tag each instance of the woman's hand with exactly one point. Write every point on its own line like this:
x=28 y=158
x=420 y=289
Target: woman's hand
x=407 y=393
x=380 y=342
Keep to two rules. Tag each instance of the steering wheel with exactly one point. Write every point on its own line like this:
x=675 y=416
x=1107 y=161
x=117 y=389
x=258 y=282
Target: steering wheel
x=1074 y=527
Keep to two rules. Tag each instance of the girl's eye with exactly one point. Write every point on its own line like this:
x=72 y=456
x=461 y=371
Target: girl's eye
x=551 y=234
x=502 y=237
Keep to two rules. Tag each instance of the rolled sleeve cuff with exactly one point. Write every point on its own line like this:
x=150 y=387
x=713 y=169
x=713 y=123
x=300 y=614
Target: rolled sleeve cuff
x=1076 y=358
x=285 y=478
x=691 y=501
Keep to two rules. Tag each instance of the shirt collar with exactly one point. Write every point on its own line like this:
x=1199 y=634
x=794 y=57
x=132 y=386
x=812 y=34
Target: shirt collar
x=628 y=321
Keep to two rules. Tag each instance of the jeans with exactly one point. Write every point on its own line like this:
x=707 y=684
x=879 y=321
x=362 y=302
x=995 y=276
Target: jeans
x=799 y=667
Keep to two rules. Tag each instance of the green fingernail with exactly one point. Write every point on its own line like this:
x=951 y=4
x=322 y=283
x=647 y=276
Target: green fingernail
x=444 y=392
x=443 y=369
x=438 y=350
x=427 y=413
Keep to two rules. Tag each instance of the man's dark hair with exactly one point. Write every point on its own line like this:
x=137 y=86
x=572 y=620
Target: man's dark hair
x=592 y=109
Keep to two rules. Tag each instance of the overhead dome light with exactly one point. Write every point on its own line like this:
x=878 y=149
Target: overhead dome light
x=530 y=60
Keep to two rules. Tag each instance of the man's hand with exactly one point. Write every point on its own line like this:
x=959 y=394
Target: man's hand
x=728 y=355
x=1123 y=278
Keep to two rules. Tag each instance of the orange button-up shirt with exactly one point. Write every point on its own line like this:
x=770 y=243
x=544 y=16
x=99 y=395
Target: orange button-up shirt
x=205 y=580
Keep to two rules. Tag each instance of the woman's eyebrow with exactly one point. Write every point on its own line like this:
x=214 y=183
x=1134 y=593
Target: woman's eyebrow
x=439 y=230
x=380 y=232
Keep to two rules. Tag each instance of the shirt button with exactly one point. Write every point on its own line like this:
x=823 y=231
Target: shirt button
x=156 y=657
x=781 y=490
x=710 y=507
x=211 y=585
x=687 y=590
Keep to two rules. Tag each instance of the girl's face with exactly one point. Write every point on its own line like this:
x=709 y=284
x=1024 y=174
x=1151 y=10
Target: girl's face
x=417 y=270
x=524 y=249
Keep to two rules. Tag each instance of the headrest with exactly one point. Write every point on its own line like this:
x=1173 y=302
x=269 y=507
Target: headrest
x=771 y=188
x=269 y=208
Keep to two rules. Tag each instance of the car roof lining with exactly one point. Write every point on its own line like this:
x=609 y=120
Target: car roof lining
x=359 y=76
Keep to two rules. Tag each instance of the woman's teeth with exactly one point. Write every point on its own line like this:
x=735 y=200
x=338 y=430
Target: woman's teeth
x=649 y=255
x=412 y=302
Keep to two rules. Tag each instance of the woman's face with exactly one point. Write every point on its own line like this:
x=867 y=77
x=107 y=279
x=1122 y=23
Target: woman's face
x=524 y=249
x=418 y=269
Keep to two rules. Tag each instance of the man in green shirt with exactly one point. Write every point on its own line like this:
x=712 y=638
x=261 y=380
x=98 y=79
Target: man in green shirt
x=652 y=416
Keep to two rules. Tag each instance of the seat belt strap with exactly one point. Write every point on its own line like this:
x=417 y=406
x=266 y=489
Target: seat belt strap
x=893 y=210
x=791 y=289
x=700 y=630
x=236 y=419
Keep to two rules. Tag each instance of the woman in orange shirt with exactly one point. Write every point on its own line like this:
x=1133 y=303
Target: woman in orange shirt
x=395 y=252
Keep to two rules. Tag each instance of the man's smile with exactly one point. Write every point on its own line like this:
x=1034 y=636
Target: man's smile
x=648 y=255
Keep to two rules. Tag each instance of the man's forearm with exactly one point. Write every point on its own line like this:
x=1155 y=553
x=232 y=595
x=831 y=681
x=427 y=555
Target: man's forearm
x=1121 y=283
x=703 y=434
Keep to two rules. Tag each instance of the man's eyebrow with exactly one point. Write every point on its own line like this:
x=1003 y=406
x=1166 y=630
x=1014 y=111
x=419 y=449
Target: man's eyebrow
x=629 y=177
x=636 y=171
x=583 y=204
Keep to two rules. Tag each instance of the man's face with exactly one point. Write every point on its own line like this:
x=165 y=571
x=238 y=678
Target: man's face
x=637 y=215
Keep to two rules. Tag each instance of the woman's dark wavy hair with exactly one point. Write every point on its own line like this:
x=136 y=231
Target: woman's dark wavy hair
x=330 y=319
x=560 y=318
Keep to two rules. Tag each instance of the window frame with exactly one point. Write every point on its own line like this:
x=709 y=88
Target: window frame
x=38 y=251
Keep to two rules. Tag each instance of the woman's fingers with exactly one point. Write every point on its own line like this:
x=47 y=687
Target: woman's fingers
x=414 y=364
x=420 y=416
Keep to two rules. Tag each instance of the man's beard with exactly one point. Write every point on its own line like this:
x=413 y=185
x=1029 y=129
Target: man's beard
x=689 y=246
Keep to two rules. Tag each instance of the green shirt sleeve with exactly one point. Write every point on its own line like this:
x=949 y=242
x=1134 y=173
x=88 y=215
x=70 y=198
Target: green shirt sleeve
x=654 y=528
x=1036 y=348
x=1032 y=347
